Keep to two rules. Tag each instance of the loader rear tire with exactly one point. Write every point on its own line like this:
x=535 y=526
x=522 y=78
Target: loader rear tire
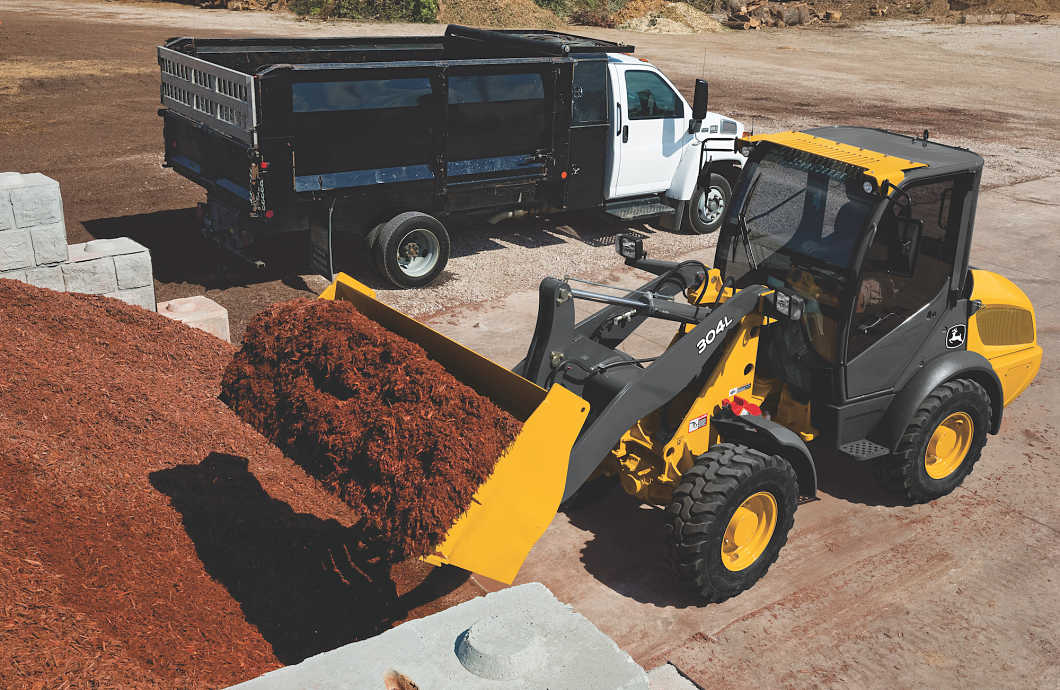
x=411 y=249
x=730 y=516
x=941 y=444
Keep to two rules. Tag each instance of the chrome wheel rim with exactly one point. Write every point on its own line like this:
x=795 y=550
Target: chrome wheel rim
x=418 y=252
x=711 y=206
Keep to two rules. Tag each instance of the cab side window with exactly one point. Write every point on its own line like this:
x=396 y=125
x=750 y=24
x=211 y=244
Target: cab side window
x=892 y=290
x=648 y=97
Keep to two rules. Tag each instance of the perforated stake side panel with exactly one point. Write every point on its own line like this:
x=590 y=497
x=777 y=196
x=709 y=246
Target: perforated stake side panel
x=218 y=97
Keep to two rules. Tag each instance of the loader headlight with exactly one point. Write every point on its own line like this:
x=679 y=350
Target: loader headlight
x=630 y=247
x=786 y=305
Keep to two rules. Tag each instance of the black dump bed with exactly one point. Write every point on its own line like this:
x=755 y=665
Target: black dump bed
x=329 y=114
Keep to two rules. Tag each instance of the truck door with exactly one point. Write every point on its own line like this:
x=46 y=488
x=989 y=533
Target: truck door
x=651 y=128
x=902 y=312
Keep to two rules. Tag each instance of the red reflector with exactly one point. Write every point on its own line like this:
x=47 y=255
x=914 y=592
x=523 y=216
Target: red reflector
x=270 y=213
x=264 y=165
x=563 y=175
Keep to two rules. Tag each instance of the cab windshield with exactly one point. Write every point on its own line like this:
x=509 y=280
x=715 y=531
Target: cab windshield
x=798 y=209
x=796 y=221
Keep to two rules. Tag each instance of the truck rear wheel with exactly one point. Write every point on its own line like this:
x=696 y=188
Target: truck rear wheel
x=729 y=518
x=706 y=208
x=411 y=249
x=941 y=444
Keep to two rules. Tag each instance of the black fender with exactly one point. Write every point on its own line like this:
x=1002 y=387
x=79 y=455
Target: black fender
x=959 y=364
x=769 y=437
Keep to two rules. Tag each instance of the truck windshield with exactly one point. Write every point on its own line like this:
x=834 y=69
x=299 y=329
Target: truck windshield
x=798 y=210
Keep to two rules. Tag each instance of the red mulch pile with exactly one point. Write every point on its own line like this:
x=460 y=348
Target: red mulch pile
x=367 y=412
x=148 y=537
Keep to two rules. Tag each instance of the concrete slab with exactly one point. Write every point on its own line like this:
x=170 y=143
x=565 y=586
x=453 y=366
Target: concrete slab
x=521 y=637
x=199 y=312
x=667 y=677
x=866 y=593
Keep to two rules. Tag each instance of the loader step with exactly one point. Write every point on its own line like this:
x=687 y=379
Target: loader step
x=864 y=450
x=639 y=209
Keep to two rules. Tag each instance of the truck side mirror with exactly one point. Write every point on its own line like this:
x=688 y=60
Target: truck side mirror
x=699 y=105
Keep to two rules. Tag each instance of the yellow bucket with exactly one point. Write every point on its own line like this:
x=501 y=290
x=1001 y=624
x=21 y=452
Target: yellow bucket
x=512 y=509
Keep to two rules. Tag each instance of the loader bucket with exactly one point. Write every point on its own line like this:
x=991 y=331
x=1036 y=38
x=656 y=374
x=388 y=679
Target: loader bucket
x=512 y=508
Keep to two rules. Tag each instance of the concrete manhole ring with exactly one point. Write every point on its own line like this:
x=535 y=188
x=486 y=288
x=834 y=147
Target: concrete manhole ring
x=502 y=647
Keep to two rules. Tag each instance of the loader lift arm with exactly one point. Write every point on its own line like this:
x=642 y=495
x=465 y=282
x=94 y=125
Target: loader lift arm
x=584 y=359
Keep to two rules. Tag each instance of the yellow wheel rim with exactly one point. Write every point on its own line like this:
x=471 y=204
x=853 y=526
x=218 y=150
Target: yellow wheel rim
x=949 y=445
x=749 y=531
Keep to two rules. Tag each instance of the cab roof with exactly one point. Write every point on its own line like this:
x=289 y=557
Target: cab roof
x=882 y=154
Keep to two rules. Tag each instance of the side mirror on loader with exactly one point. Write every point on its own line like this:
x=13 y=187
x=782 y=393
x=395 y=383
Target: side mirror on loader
x=699 y=105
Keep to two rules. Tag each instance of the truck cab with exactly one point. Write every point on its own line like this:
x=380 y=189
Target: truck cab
x=392 y=137
x=655 y=151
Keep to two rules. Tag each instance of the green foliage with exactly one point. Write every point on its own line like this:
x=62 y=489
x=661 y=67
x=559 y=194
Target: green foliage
x=374 y=10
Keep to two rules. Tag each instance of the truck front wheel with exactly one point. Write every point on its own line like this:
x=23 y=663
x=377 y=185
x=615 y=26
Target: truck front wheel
x=707 y=207
x=411 y=249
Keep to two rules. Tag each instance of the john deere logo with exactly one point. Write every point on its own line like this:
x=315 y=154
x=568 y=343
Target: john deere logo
x=955 y=336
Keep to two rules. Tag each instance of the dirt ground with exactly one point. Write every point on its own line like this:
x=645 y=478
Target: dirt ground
x=84 y=112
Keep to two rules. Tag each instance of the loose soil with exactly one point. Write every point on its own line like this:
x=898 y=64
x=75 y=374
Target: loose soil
x=370 y=415
x=148 y=537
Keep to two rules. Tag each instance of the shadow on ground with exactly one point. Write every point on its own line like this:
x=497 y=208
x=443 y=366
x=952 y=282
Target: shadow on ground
x=850 y=480
x=628 y=549
x=180 y=254
x=309 y=585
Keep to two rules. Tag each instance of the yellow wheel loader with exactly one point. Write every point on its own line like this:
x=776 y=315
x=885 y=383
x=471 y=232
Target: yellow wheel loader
x=840 y=313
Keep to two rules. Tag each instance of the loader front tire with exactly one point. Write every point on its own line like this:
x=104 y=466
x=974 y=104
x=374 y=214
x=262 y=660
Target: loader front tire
x=729 y=517
x=411 y=249
x=941 y=444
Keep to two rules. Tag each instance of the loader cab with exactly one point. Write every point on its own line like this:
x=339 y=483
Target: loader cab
x=872 y=230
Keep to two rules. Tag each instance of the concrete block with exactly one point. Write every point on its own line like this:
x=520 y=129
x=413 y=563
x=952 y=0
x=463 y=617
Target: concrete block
x=7 y=214
x=49 y=243
x=518 y=638
x=199 y=312
x=36 y=201
x=16 y=250
x=17 y=274
x=50 y=277
x=133 y=270
x=140 y=297
x=95 y=276
x=96 y=249
x=10 y=179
